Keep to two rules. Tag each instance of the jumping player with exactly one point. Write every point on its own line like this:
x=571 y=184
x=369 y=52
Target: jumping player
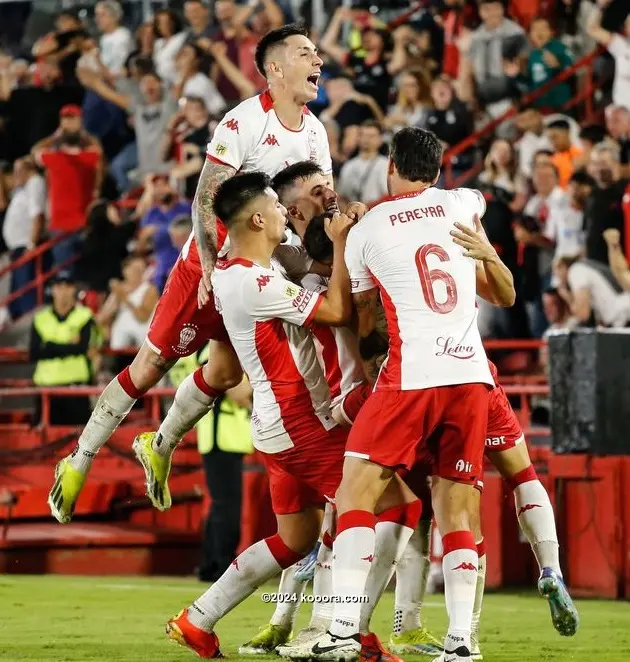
x=266 y=132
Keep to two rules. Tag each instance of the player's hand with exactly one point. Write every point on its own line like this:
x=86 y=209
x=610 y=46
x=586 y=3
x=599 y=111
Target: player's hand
x=612 y=237
x=203 y=291
x=338 y=227
x=474 y=242
x=356 y=211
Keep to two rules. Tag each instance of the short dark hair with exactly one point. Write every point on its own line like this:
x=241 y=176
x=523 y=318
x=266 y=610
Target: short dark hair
x=582 y=178
x=287 y=177
x=417 y=154
x=273 y=38
x=236 y=193
x=176 y=21
x=559 y=124
x=593 y=133
x=316 y=241
x=372 y=124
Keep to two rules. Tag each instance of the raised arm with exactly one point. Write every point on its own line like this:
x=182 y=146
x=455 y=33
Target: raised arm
x=205 y=222
x=329 y=42
x=596 y=31
x=616 y=258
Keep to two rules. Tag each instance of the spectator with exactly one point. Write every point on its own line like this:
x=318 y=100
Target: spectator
x=546 y=60
x=197 y=16
x=589 y=137
x=501 y=171
x=225 y=69
x=592 y=293
x=192 y=82
x=179 y=231
x=566 y=156
x=413 y=49
x=145 y=38
x=191 y=146
x=116 y=42
x=62 y=347
x=364 y=178
x=557 y=312
x=73 y=160
x=451 y=122
x=619 y=47
x=455 y=16
x=530 y=122
x=413 y=101
x=22 y=229
x=165 y=207
x=127 y=311
x=169 y=38
x=240 y=45
x=498 y=39
x=618 y=127
x=348 y=109
x=616 y=259
x=104 y=245
x=604 y=207
x=150 y=117
x=371 y=72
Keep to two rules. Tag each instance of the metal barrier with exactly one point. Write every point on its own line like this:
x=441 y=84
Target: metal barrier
x=41 y=277
x=585 y=95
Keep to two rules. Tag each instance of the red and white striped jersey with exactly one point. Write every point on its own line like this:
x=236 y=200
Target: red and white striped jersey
x=403 y=246
x=337 y=348
x=267 y=318
x=252 y=137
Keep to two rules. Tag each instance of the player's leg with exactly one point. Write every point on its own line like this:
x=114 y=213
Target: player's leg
x=113 y=405
x=194 y=626
x=459 y=458
x=412 y=573
x=475 y=653
x=536 y=519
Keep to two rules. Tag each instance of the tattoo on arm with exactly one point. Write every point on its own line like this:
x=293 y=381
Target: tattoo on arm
x=203 y=217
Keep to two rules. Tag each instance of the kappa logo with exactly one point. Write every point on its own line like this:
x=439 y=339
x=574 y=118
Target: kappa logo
x=466 y=566
x=528 y=506
x=369 y=558
x=235 y=563
x=232 y=125
x=271 y=140
x=262 y=281
x=186 y=336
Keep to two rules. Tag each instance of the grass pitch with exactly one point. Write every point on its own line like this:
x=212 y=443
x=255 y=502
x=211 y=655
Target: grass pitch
x=81 y=619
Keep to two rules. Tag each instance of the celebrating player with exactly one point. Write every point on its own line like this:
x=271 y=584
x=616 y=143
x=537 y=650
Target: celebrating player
x=266 y=132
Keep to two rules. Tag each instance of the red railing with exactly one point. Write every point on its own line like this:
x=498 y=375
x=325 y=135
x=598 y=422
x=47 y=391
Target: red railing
x=584 y=95
x=41 y=277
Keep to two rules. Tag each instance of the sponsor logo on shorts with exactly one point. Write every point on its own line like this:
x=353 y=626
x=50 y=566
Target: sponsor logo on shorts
x=449 y=347
x=302 y=299
x=220 y=149
x=462 y=466
x=495 y=441
x=186 y=336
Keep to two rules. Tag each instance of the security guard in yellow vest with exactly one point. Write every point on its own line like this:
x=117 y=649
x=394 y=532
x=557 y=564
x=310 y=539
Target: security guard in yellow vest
x=223 y=437
x=62 y=337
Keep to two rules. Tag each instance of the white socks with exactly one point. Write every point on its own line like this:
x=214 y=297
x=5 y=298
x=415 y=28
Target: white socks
x=353 y=552
x=481 y=585
x=412 y=573
x=193 y=400
x=286 y=609
x=252 y=568
x=323 y=585
x=536 y=518
x=460 y=564
x=111 y=409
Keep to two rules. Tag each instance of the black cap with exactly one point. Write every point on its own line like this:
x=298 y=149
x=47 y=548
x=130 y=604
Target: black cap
x=63 y=276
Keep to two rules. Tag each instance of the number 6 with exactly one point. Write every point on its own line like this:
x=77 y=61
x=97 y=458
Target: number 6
x=430 y=276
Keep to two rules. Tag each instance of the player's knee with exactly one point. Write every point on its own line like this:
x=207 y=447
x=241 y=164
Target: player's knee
x=147 y=368
x=512 y=461
x=455 y=505
x=299 y=532
x=223 y=375
x=362 y=485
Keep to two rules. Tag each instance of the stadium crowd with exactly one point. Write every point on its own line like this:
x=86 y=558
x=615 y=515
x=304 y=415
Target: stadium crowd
x=104 y=126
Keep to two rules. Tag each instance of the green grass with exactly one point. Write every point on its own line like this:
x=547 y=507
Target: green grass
x=53 y=618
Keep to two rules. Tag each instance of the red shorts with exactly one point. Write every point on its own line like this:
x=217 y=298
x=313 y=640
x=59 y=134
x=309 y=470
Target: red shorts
x=504 y=430
x=445 y=425
x=179 y=328
x=307 y=474
x=352 y=402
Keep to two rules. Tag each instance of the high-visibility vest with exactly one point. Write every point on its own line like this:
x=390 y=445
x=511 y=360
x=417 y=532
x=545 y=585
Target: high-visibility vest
x=68 y=369
x=227 y=424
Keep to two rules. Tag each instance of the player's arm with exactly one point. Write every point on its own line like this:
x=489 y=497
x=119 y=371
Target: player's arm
x=204 y=219
x=595 y=30
x=336 y=306
x=495 y=282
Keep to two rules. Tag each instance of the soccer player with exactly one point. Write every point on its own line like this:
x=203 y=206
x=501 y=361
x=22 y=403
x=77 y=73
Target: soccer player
x=266 y=132
x=431 y=394
x=267 y=318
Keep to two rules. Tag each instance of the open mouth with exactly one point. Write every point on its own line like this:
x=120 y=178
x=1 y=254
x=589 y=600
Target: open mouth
x=332 y=205
x=313 y=79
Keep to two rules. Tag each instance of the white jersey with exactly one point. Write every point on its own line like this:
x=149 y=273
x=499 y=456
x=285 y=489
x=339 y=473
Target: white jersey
x=427 y=287
x=337 y=348
x=251 y=137
x=267 y=318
